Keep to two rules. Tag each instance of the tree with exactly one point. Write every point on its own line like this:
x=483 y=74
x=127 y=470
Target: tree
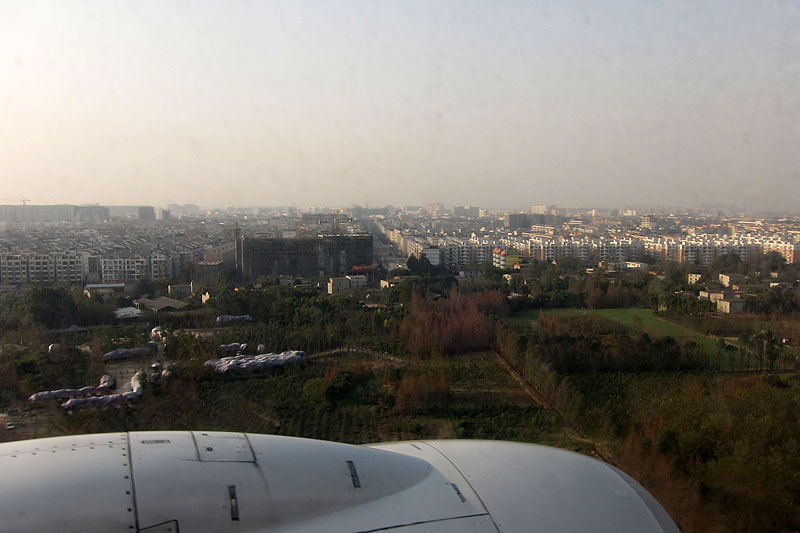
x=726 y=263
x=144 y=287
x=773 y=261
x=52 y=308
x=419 y=267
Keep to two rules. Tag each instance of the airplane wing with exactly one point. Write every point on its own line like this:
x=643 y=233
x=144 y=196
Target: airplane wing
x=181 y=481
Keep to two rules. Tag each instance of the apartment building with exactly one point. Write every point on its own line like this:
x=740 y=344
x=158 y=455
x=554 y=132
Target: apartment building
x=505 y=259
x=120 y=269
x=66 y=267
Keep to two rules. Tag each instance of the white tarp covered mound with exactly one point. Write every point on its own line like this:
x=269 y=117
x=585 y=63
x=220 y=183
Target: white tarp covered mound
x=126 y=353
x=157 y=334
x=242 y=363
x=83 y=392
x=233 y=319
x=102 y=401
x=234 y=347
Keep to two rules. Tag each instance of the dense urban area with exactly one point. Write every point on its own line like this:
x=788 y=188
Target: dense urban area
x=665 y=341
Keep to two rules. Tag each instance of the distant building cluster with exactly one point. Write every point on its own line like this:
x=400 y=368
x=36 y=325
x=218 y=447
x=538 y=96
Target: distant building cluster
x=68 y=244
x=95 y=214
x=101 y=253
x=453 y=255
x=585 y=249
x=90 y=267
x=92 y=244
x=703 y=249
x=700 y=250
x=616 y=236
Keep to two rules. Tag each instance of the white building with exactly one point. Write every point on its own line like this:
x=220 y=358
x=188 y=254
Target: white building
x=118 y=269
x=455 y=255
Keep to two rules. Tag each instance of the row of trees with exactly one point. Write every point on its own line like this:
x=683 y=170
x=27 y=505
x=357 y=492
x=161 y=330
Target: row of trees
x=590 y=343
x=717 y=451
x=617 y=352
x=54 y=308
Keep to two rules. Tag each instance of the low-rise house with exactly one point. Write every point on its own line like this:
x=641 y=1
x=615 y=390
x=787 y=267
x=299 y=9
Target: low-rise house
x=396 y=281
x=103 y=290
x=635 y=265
x=180 y=290
x=728 y=279
x=338 y=285
x=713 y=295
x=727 y=305
x=162 y=303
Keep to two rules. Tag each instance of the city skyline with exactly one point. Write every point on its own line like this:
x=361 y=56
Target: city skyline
x=490 y=104
x=120 y=210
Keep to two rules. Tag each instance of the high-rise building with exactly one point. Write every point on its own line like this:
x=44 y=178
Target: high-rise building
x=517 y=220
x=91 y=213
x=318 y=256
x=147 y=212
x=465 y=211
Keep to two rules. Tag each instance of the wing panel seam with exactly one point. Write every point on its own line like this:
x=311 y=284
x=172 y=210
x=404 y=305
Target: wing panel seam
x=133 y=481
x=466 y=480
x=386 y=528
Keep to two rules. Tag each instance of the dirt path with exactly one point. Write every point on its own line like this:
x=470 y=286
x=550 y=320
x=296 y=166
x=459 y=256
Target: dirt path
x=597 y=449
x=530 y=391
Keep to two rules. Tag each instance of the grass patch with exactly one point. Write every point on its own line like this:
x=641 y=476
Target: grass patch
x=506 y=422
x=522 y=321
x=476 y=379
x=643 y=320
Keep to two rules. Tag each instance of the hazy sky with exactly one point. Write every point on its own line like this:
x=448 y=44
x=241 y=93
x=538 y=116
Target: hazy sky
x=339 y=102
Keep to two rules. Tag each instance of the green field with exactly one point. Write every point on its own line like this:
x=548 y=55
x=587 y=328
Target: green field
x=523 y=321
x=644 y=320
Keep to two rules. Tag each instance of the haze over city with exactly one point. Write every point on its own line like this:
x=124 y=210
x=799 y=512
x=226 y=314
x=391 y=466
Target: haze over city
x=498 y=104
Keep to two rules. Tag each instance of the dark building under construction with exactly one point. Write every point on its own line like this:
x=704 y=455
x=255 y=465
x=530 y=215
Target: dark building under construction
x=311 y=257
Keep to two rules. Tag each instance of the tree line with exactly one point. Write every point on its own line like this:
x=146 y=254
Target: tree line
x=716 y=450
